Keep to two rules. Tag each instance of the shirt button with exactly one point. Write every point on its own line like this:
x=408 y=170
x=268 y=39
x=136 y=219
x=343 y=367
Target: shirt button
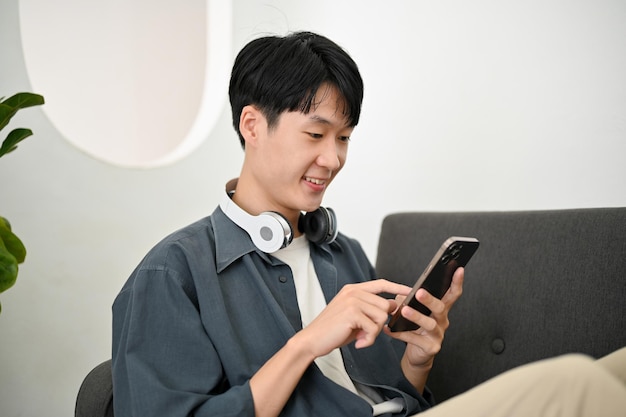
x=282 y=279
x=497 y=346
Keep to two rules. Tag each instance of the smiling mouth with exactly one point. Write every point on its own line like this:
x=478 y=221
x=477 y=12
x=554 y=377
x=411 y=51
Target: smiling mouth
x=315 y=181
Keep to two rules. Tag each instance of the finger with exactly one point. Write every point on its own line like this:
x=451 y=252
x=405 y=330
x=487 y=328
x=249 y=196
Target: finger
x=376 y=314
x=367 y=325
x=363 y=314
x=399 y=300
x=382 y=285
x=428 y=342
x=364 y=338
x=428 y=346
x=456 y=288
x=425 y=322
x=438 y=308
x=360 y=293
x=434 y=304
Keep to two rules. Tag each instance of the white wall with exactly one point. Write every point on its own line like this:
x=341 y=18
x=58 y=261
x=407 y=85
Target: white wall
x=483 y=105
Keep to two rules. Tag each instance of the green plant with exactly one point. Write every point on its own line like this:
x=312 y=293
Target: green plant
x=12 y=250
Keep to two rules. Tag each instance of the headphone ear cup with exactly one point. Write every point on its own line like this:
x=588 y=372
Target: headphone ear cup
x=332 y=230
x=319 y=226
x=271 y=232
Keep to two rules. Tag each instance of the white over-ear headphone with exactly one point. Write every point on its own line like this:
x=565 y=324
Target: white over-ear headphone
x=270 y=231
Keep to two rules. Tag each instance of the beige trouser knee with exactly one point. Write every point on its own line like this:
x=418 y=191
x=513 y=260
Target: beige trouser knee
x=568 y=386
x=616 y=364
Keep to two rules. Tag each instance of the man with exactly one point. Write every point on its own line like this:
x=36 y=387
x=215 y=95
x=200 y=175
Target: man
x=209 y=323
x=258 y=309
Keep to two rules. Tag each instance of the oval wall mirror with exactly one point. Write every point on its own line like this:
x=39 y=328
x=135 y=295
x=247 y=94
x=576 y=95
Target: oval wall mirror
x=136 y=83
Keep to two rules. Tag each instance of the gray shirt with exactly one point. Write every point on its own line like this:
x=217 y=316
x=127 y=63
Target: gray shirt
x=204 y=310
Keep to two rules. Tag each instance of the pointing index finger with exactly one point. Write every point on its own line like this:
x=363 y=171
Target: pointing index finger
x=382 y=285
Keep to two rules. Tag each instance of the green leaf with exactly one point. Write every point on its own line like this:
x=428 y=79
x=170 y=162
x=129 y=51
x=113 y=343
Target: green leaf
x=15 y=137
x=10 y=242
x=23 y=100
x=6 y=112
x=10 y=106
x=8 y=268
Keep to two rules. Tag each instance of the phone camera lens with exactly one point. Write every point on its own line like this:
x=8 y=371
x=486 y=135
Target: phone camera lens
x=455 y=251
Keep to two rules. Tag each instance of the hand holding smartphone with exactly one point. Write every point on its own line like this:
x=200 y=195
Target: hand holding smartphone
x=455 y=252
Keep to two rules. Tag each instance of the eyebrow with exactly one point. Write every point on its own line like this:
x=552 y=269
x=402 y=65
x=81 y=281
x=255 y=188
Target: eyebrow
x=319 y=119
x=323 y=121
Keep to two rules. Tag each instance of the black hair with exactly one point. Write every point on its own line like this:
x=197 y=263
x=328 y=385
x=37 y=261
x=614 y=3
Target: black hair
x=278 y=74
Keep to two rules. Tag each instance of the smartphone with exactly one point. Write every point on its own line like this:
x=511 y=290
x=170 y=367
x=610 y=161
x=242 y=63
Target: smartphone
x=455 y=252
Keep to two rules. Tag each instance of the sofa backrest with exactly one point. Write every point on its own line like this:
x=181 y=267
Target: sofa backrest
x=543 y=283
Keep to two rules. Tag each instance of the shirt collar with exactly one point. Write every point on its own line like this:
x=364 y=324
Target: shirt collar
x=231 y=241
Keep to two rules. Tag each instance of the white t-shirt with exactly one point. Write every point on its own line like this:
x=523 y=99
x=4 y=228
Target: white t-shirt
x=311 y=302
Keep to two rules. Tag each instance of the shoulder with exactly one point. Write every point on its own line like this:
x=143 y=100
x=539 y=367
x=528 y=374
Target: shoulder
x=349 y=246
x=192 y=240
x=177 y=256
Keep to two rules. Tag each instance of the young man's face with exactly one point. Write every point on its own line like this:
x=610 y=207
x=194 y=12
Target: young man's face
x=295 y=161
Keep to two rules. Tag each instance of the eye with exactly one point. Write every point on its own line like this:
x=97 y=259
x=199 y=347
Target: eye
x=344 y=138
x=316 y=135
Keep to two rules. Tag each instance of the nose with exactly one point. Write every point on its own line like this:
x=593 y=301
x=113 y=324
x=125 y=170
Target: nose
x=332 y=155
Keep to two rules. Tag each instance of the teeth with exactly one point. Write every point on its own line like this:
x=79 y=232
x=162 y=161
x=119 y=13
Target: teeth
x=314 y=180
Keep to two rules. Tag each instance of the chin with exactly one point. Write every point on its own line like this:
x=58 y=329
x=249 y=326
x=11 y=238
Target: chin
x=310 y=207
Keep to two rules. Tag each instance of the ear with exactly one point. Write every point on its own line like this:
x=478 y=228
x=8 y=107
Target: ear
x=250 y=123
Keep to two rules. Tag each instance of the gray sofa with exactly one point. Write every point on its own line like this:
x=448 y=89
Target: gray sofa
x=542 y=283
